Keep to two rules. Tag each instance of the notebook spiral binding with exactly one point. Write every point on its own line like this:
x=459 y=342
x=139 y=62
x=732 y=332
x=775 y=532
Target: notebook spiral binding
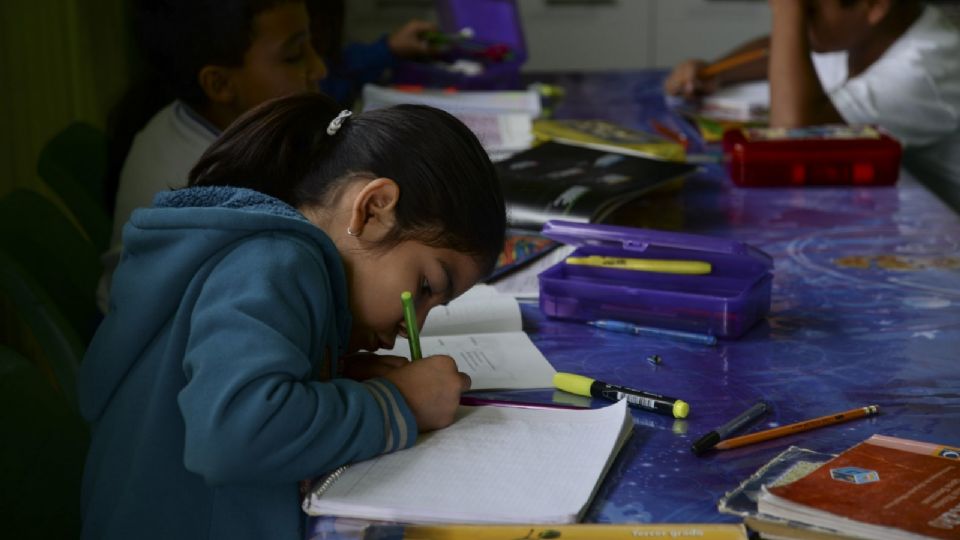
x=323 y=485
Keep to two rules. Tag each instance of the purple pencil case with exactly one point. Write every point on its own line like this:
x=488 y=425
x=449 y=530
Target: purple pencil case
x=724 y=303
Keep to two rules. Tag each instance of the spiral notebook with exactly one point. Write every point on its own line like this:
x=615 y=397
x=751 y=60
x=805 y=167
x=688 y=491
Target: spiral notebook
x=493 y=465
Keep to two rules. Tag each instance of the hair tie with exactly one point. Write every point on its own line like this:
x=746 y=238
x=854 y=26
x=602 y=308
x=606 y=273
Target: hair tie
x=335 y=124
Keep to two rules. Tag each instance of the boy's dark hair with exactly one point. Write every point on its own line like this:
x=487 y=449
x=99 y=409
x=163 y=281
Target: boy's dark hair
x=450 y=194
x=179 y=37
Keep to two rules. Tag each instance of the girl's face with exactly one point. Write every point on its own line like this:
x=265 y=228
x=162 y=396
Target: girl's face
x=281 y=60
x=376 y=278
x=360 y=219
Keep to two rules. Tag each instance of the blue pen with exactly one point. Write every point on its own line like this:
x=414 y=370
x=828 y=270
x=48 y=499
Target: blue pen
x=628 y=328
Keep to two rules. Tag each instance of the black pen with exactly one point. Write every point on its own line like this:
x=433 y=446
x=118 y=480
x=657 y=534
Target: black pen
x=709 y=440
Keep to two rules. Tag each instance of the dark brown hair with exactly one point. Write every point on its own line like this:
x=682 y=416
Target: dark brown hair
x=450 y=194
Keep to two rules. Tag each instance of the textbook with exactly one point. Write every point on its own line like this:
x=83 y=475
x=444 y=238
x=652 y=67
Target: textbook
x=609 y=137
x=492 y=465
x=483 y=332
x=575 y=183
x=883 y=488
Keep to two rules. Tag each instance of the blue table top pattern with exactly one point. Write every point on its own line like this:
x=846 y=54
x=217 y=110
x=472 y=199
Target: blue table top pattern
x=865 y=310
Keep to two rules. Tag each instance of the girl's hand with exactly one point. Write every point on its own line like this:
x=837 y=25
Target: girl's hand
x=363 y=366
x=686 y=82
x=432 y=387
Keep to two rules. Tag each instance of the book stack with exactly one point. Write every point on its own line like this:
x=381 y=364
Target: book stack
x=501 y=119
x=884 y=488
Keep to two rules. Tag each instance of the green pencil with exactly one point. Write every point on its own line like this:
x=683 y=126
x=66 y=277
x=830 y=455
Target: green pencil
x=410 y=316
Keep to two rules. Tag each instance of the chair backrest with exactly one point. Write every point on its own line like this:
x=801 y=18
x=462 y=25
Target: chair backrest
x=42 y=454
x=33 y=325
x=74 y=165
x=40 y=238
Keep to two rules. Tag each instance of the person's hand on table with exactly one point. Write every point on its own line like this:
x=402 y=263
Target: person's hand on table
x=685 y=80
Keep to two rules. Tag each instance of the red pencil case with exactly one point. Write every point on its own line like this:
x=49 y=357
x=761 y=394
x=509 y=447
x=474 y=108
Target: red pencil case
x=816 y=155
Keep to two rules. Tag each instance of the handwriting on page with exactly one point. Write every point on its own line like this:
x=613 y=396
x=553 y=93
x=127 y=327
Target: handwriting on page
x=475 y=355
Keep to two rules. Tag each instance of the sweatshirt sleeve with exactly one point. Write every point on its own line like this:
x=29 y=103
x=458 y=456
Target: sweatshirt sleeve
x=252 y=407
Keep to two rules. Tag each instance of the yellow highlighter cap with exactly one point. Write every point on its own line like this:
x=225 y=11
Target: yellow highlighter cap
x=680 y=409
x=573 y=383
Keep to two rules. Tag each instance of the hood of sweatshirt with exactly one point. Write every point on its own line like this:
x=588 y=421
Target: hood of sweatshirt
x=164 y=247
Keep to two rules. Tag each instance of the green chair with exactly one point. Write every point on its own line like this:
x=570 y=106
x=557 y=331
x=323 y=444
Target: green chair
x=34 y=325
x=40 y=238
x=74 y=165
x=44 y=446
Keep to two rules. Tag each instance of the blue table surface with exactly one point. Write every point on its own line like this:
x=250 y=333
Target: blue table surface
x=865 y=310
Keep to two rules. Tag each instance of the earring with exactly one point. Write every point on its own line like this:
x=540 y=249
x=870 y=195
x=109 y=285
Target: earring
x=351 y=233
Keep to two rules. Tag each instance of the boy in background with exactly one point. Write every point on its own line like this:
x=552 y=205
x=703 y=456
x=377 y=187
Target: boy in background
x=214 y=60
x=893 y=63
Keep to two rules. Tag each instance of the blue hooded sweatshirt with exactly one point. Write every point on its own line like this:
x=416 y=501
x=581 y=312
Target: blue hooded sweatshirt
x=208 y=383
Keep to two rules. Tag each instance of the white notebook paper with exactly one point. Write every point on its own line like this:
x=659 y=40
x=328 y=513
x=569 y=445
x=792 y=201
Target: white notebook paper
x=483 y=332
x=493 y=465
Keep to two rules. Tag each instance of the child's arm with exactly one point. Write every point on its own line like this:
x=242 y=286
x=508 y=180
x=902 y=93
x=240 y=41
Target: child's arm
x=796 y=96
x=409 y=41
x=688 y=79
x=253 y=409
x=431 y=385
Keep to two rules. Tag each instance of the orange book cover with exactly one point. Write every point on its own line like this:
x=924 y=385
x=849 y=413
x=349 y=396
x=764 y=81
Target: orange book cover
x=882 y=482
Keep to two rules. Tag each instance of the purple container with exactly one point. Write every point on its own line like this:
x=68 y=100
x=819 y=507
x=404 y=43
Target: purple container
x=493 y=22
x=724 y=303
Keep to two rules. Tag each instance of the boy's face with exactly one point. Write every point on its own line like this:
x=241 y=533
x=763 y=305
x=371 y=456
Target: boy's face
x=281 y=60
x=377 y=277
x=835 y=25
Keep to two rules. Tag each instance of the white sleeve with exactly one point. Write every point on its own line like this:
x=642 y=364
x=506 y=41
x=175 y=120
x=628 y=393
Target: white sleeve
x=913 y=91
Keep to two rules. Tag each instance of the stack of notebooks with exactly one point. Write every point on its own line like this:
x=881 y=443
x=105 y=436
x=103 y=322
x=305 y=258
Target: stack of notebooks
x=883 y=488
x=502 y=119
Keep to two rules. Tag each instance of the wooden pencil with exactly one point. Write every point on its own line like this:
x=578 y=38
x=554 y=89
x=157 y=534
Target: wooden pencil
x=790 y=429
x=736 y=60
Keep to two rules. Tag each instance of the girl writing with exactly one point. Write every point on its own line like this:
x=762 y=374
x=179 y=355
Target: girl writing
x=223 y=374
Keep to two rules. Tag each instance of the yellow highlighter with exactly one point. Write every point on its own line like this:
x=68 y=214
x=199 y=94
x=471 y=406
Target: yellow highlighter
x=648 y=401
x=665 y=266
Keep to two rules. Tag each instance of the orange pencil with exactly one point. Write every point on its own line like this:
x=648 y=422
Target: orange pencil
x=790 y=429
x=736 y=60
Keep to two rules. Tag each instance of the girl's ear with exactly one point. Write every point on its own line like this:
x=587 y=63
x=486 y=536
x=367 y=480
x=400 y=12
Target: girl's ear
x=373 y=213
x=217 y=84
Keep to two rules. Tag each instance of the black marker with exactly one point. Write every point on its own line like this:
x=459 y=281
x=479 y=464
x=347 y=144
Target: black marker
x=709 y=440
x=585 y=386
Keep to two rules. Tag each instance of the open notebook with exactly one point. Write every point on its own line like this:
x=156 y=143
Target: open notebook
x=483 y=332
x=493 y=465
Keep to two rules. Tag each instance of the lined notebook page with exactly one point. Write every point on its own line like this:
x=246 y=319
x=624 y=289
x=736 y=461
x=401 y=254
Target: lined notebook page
x=493 y=361
x=494 y=465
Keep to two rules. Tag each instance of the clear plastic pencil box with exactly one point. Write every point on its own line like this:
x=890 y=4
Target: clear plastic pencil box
x=725 y=302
